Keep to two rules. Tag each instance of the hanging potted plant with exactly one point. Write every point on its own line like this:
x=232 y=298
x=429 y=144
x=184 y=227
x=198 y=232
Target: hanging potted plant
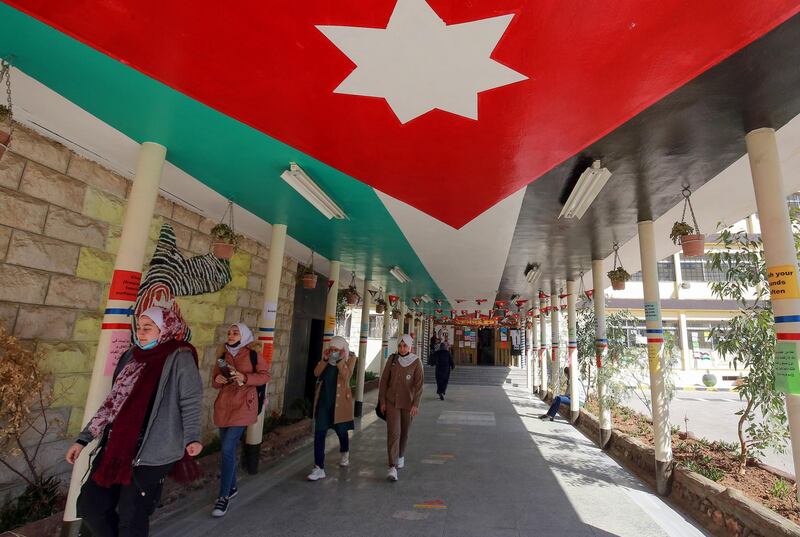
x=224 y=239
x=618 y=275
x=380 y=304
x=396 y=314
x=308 y=276
x=351 y=293
x=691 y=240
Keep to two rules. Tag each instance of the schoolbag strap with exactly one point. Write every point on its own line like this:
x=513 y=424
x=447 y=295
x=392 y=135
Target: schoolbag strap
x=254 y=359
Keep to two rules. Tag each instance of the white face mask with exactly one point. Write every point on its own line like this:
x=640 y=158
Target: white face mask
x=333 y=356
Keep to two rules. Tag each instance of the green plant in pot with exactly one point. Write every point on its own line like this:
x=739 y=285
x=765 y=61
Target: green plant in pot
x=618 y=277
x=396 y=314
x=308 y=276
x=689 y=237
x=380 y=305
x=225 y=241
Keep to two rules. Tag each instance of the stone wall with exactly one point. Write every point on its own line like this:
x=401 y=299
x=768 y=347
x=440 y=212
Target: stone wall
x=60 y=224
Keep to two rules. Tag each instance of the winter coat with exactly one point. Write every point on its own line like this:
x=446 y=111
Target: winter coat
x=344 y=397
x=237 y=406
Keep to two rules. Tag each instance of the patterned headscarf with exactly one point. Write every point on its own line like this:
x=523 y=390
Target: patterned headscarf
x=168 y=321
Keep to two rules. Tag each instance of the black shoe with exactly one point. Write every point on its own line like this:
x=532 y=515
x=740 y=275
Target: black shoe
x=234 y=492
x=552 y=418
x=220 y=508
x=544 y=417
x=441 y=396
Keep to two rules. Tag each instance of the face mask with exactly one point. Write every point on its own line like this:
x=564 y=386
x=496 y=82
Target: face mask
x=333 y=356
x=145 y=347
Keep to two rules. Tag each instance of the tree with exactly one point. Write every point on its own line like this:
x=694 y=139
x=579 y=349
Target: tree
x=626 y=371
x=748 y=340
x=586 y=348
x=24 y=425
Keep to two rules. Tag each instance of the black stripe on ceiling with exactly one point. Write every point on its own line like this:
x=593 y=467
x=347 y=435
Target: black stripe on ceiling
x=688 y=137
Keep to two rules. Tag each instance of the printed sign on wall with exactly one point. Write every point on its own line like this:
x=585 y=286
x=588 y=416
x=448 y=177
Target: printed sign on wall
x=783 y=282
x=786 y=369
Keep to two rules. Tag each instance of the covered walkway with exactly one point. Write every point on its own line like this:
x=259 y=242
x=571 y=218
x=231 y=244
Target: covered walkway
x=479 y=464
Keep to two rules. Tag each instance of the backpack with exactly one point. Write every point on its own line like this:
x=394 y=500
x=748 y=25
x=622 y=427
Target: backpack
x=261 y=389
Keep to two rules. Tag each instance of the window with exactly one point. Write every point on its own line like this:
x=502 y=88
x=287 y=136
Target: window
x=698 y=269
x=666 y=271
x=376 y=326
x=701 y=347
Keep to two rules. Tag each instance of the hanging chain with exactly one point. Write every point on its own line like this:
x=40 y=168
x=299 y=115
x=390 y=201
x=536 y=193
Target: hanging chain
x=6 y=73
x=687 y=193
x=616 y=255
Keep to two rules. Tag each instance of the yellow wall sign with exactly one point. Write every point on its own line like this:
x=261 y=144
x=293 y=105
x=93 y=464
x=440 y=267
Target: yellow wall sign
x=783 y=282
x=654 y=357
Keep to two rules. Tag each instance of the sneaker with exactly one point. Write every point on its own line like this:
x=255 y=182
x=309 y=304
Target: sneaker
x=316 y=474
x=401 y=462
x=234 y=492
x=544 y=417
x=220 y=508
x=441 y=396
x=345 y=460
x=392 y=474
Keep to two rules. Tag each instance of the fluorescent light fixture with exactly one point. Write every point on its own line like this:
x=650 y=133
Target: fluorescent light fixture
x=589 y=185
x=401 y=276
x=532 y=272
x=306 y=187
x=426 y=299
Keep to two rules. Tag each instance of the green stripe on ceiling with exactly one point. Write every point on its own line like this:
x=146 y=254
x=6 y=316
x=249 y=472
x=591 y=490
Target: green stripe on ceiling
x=233 y=159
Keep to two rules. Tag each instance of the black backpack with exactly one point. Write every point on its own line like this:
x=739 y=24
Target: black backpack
x=261 y=389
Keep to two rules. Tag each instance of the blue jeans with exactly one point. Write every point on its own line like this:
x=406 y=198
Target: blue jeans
x=557 y=402
x=319 y=444
x=229 y=438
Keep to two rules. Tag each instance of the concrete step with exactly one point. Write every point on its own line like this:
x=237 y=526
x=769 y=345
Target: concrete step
x=482 y=376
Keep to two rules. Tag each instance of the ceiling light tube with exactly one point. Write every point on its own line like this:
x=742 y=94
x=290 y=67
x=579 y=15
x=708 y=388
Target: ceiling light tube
x=589 y=185
x=401 y=276
x=299 y=180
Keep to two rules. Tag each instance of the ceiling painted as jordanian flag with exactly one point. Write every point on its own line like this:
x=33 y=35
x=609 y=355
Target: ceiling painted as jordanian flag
x=448 y=108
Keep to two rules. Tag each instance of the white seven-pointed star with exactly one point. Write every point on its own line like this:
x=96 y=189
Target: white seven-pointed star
x=418 y=63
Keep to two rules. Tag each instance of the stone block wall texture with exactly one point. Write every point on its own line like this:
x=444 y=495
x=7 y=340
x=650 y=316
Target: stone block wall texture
x=60 y=224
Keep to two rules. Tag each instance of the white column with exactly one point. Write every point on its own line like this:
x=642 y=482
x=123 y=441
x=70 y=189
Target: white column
x=601 y=348
x=781 y=260
x=387 y=321
x=655 y=345
x=533 y=355
x=543 y=348
x=572 y=351
x=555 y=329
x=266 y=335
x=363 y=339
x=121 y=299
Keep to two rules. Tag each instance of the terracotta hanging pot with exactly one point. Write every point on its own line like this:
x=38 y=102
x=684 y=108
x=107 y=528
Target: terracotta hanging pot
x=352 y=297
x=309 y=280
x=618 y=285
x=396 y=315
x=380 y=308
x=223 y=250
x=693 y=245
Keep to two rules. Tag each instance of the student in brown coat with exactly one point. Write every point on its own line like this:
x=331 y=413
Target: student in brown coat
x=333 y=403
x=236 y=406
x=399 y=396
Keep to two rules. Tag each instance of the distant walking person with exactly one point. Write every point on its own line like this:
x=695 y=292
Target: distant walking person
x=443 y=361
x=333 y=403
x=399 y=396
x=238 y=373
x=149 y=421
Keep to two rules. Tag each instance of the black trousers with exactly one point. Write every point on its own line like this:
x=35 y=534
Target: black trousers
x=122 y=510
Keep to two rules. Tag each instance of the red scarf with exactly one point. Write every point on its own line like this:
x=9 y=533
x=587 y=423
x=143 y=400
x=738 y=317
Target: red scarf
x=116 y=466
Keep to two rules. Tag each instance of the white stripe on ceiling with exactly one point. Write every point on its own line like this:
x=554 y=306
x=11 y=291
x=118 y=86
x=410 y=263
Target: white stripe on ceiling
x=465 y=263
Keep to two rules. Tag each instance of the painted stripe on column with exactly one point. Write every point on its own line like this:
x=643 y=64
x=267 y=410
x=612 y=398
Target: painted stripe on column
x=119 y=311
x=115 y=326
x=787 y=319
x=655 y=330
x=788 y=337
x=655 y=340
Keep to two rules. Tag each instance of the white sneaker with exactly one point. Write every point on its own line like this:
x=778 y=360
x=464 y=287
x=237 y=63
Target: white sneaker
x=345 y=460
x=391 y=475
x=401 y=462
x=316 y=474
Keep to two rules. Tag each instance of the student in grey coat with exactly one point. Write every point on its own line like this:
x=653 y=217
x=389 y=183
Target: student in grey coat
x=149 y=421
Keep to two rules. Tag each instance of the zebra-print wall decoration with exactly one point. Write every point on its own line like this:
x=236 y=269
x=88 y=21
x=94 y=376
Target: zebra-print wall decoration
x=171 y=275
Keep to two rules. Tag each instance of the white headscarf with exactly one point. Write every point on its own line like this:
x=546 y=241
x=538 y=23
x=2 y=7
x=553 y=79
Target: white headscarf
x=156 y=315
x=245 y=340
x=409 y=358
x=340 y=343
